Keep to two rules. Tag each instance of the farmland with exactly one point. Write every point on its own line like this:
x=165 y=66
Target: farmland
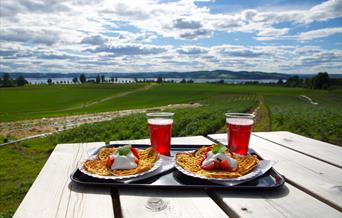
x=295 y=114
x=45 y=101
x=282 y=108
x=41 y=101
x=279 y=109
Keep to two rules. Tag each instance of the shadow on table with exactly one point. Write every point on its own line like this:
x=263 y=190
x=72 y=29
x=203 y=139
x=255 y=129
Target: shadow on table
x=269 y=194
x=74 y=187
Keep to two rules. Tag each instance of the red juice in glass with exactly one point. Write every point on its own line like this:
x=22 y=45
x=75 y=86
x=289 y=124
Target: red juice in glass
x=239 y=128
x=160 y=125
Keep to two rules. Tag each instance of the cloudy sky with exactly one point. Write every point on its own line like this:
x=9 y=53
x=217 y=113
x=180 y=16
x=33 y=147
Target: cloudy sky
x=149 y=35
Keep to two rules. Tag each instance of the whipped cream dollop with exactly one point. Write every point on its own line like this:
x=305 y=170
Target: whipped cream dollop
x=219 y=156
x=123 y=162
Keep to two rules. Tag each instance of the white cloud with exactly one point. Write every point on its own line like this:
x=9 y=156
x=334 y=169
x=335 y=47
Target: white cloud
x=129 y=49
x=36 y=36
x=320 y=33
x=107 y=35
x=192 y=50
x=273 y=32
x=178 y=19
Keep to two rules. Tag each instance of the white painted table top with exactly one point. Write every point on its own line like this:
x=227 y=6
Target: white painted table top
x=312 y=189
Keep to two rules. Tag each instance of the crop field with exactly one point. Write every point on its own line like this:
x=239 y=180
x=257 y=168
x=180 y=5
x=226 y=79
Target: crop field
x=43 y=101
x=30 y=102
x=322 y=121
x=279 y=109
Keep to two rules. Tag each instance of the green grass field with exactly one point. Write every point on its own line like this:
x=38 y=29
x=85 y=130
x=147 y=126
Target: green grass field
x=39 y=101
x=280 y=109
x=56 y=100
x=295 y=114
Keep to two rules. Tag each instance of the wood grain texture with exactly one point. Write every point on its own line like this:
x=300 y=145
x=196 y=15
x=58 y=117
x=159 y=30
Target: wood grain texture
x=317 y=177
x=185 y=203
x=189 y=140
x=54 y=195
x=285 y=202
x=322 y=150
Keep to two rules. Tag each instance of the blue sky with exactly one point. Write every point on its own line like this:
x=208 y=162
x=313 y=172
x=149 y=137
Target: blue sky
x=158 y=35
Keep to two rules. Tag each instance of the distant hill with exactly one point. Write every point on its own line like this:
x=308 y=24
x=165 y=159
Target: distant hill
x=215 y=74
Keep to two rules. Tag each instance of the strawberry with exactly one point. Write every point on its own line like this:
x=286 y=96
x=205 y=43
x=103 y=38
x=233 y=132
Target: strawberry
x=212 y=166
x=109 y=161
x=207 y=149
x=225 y=165
x=135 y=152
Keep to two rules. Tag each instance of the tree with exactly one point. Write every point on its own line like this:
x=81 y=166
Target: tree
x=74 y=80
x=98 y=79
x=159 y=79
x=294 y=81
x=49 y=81
x=103 y=79
x=280 y=82
x=21 y=81
x=7 y=80
x=83 y=78
x=112 y=79
x=183 y=81
x=321 y=81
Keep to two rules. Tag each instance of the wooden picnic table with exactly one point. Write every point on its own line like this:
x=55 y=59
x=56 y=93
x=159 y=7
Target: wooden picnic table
x=312 y=170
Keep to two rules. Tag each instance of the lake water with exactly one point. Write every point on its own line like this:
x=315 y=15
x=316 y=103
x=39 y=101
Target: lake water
x=131 y=80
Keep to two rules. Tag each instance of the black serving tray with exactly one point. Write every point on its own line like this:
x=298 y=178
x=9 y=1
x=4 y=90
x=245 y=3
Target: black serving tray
x=175 y=179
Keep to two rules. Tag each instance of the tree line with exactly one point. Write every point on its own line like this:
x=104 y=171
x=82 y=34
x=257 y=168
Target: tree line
x=320 y=81
x=99 y=79
x=7 y=81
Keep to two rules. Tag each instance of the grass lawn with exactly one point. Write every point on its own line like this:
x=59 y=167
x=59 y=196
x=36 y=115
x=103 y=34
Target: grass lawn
x=37 y=101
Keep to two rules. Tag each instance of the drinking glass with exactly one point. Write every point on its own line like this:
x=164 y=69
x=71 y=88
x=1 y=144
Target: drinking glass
x=239 y=128
x=160 y=125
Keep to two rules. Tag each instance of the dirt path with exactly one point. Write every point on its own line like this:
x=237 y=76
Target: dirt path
x=29 y=128
x=263 y=122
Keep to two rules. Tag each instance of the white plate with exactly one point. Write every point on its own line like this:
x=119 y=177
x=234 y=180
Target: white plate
x=157 y=164
x=254 y=173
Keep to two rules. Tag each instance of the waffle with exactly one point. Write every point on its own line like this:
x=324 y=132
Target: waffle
x=98 y=166
x=192 y=163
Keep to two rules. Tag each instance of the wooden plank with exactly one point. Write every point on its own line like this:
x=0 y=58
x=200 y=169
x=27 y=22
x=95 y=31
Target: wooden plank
x=285 y=202
x=189 y=140
x=318 y=178
x=324 y=151
x=54 y=195
x=185 y=203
